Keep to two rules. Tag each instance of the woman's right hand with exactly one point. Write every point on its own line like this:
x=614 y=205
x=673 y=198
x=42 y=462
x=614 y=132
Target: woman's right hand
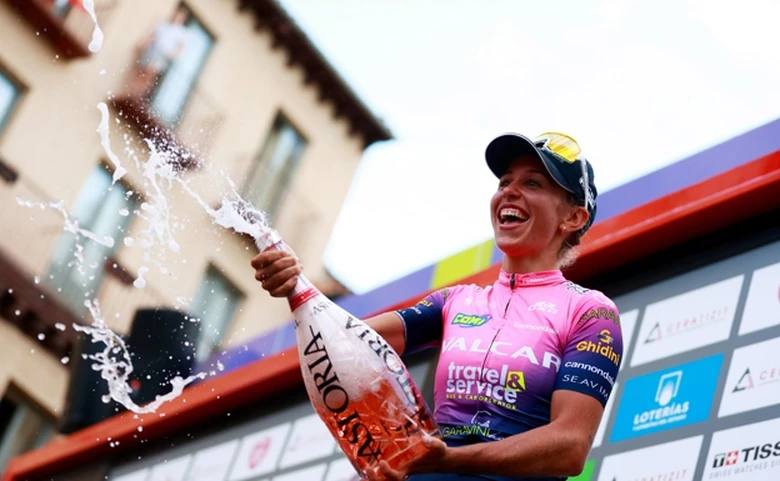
x=277 y=271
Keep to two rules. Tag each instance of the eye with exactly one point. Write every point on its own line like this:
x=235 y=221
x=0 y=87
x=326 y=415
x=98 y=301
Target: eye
x=503 y=183
x=532 y=182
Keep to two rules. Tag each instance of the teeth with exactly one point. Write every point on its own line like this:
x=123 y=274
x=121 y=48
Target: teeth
x=508 y=213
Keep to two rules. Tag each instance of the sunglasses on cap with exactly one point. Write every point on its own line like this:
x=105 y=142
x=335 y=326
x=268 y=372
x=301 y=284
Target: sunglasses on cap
x=568 y=150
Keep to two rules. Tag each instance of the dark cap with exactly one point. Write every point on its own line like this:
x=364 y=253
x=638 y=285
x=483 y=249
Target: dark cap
x=569 y=175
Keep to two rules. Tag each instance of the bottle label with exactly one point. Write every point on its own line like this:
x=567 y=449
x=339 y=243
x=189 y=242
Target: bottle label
x=300 y=298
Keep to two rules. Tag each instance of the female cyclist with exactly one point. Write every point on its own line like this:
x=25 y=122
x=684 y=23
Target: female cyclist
x=526 y=364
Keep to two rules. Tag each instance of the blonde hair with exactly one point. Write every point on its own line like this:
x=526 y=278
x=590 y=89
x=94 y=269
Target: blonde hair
x=567 y=254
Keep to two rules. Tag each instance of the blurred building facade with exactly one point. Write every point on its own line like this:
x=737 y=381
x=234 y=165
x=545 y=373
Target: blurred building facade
x=236 y=87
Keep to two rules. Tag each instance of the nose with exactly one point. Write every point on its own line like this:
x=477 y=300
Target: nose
x=511 y=190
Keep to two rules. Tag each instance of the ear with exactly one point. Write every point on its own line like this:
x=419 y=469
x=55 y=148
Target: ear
x=575 y=219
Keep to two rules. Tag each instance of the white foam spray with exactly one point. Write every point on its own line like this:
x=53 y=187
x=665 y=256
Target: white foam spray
x=102 y=131
x=70 y=225
x=115 y=366
x=97 y=35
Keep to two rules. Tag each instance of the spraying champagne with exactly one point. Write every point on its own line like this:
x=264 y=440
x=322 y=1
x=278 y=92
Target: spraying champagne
x=356 y=382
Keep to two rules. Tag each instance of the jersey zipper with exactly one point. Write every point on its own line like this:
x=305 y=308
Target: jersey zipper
x=511 y=288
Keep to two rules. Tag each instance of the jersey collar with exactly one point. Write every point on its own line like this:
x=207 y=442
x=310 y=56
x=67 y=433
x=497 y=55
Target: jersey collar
x=541 y=278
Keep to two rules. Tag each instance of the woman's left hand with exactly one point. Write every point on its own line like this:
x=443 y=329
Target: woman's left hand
x=431 y=461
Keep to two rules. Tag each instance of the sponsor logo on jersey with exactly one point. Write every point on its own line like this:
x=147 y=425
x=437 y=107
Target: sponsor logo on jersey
x=603 y=347
x=576 y=287
x=543 y=306
x=469 y=320
x=475 y=383
x=584 y=366
x=502 y=349
x=601 y=313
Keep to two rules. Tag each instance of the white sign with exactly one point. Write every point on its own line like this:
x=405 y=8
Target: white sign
x=694 y=319
x=675 y=460
x=341 y=470
x=754 y=378
x=310 y=439
x=762 y=308
x=134 y=476
x=605 y=417
x=212 y=464
x=259 y=452
x=627 y=326
x=173 y=470
x=313 y=473
x=745 y=453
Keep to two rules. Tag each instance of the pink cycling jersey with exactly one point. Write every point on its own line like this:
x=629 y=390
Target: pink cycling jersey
x=507 y=347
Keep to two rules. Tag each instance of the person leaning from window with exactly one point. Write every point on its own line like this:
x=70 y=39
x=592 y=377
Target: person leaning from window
x=158 y=50
x=528 y=363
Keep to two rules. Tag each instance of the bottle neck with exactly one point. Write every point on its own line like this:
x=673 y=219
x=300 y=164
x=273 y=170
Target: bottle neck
x=301 y=293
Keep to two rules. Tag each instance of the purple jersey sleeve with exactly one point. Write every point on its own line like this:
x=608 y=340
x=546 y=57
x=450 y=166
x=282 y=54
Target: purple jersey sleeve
x=423 y=322
x=593 y=353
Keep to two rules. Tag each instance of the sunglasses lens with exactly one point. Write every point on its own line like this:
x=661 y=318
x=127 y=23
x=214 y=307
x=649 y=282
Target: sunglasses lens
x=561 y=144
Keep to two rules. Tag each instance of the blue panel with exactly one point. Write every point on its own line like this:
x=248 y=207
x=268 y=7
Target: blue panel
x=667 y=399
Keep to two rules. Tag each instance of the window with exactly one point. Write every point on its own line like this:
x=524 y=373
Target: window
x=103 y=209
x=9 y=94
x=214 y=304
x=177 y=80
x=274 y=167
x=22 y=427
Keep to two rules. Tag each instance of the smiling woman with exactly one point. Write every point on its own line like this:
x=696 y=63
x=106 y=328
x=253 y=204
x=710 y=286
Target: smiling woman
x=527 y=364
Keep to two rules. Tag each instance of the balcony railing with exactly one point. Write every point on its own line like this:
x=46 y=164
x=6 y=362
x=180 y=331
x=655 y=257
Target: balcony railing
x=191 y=139
x=33 y=310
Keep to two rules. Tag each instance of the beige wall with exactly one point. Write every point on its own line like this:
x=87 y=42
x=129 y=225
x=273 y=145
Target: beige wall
x=51 y=142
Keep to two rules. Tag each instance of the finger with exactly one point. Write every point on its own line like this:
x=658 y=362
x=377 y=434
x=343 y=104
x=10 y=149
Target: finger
x=277 y=280
x=270 y=270
x=389 y=473
x=285 y=288
x=277 y=268
x=433 y=443
x=267 y=257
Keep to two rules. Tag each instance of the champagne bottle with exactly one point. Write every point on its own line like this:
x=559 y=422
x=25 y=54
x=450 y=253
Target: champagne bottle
x=356 y=382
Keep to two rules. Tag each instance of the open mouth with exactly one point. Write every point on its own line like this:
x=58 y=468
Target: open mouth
x=509 y=216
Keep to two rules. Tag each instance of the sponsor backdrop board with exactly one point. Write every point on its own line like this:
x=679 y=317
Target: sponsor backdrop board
x=754 y=378
x=259 y=452
x=762 y=308
x=171 y=470
x=745 y=453
x=310 y=439
x=135 y=476
x=605 y=417
x=696 y=398
x=675 y=460
x=341 y=470
x=687 y=321
x=667 y=399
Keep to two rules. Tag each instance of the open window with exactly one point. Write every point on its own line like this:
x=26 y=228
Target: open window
x=9 y=96
x=23 y=426
x=214 y=304
x=274 y=167
x=78 y=264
